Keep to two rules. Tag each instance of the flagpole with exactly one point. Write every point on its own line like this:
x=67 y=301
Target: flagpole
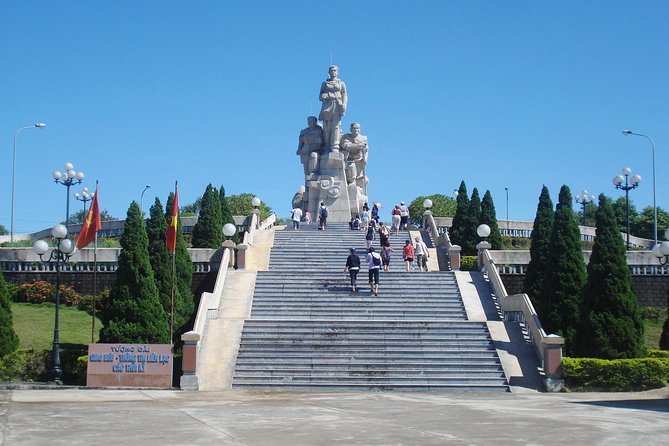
x=95 y=285
x=174 y=271
x=171 y=242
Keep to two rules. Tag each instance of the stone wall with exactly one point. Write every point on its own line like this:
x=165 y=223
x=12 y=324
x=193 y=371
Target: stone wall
x=81 y=282
x=650 y=290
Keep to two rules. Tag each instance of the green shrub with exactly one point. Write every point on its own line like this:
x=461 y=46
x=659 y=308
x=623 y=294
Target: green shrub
x=31 y=365
x=80 y=370
x=40 y=291
x=25 y=365
x=654 y=313
x=85 y=302
x=520 y=243
x=615 y=375
x=469 y=263
x=658 y=354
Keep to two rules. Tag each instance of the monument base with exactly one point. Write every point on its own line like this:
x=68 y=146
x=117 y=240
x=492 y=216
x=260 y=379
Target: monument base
x=330 y=189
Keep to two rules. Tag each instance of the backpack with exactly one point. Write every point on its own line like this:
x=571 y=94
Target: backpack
x=324 y=212
x=376 y=260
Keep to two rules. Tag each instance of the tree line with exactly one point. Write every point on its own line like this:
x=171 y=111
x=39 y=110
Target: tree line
x=143 y=302
x=593 y=307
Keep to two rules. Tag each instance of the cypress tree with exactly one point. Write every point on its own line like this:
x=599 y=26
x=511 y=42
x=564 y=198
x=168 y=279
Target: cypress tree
x=473 y=214
x=9 y=342
x=184 y=305
x=611 y=324
x=566 y=273
x=160 y=257
x=457 y=231
x=537 y=270
x=134 y=313
x=208 y=231
x=226 y=213
x=489 y=217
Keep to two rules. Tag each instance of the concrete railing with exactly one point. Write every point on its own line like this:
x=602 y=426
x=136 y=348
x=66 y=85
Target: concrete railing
x=519 y=308
x=208 y=309
x=210 y=302
x=442 y=239
x=523 y=229
x=516 y=261
x=268 y=222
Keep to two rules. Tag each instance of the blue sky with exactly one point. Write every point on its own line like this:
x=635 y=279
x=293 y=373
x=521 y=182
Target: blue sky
x=501 y=94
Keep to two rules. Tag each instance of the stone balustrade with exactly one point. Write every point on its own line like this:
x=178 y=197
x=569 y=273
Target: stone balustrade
x=519 y=308
x=523 y=229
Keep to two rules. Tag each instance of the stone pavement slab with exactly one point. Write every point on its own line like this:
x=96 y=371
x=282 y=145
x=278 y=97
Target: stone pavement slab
x=143 y=417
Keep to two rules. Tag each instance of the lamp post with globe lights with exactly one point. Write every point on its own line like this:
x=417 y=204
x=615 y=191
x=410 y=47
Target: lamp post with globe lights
x=63 y=249
x=68 y=179
x=584 y=199
x=627 y=187
x=229 y=231
x=39 y=125
x=652 y=143
x=84 y=197
x=427 y=205
x=255 y=202
x=661 y=250
x=482 y=231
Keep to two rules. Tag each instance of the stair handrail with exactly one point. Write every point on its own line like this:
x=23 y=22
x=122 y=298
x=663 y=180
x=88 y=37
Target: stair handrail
x=519 y=308
x=433 y=229
x=268 y=222
x=211 y=301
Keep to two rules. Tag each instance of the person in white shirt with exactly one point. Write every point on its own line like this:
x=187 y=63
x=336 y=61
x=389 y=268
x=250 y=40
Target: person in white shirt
x=296 y=217
x=404 y=216
x=420 y=250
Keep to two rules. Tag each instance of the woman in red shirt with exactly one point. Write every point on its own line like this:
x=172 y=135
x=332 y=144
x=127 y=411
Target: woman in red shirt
x=407 y=251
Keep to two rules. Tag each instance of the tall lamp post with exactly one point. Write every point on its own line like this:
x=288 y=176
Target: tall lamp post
x=652 y=143
x=627 y=187
x=68 y=178
x=506 y=189
x=63 y=249
x=141 y=199
x=39 y=125
x=584 y=200
x=85 y=197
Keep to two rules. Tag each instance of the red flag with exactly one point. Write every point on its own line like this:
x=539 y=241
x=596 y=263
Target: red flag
x=171 y=237
x=92 y=224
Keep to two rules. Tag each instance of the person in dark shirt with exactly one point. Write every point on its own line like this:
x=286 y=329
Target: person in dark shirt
x=353 y=267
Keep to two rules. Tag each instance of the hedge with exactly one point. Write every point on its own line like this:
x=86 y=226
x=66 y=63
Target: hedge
x=31 y=365
x=469 y=263
x=615 y=375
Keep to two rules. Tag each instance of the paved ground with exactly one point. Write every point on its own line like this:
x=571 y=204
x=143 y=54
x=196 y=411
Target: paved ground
x=136 y=417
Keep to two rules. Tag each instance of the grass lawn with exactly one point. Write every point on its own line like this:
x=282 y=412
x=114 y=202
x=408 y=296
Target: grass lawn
x=34 y=325
x=653 y=331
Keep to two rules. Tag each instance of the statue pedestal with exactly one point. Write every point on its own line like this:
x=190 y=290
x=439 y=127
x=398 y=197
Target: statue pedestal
x=330 y=188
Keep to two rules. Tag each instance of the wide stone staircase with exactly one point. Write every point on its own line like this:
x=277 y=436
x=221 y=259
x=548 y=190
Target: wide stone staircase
x=308 y=331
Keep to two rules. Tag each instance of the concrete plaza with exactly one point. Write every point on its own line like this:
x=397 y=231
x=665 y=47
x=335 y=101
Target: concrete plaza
x=155 y=417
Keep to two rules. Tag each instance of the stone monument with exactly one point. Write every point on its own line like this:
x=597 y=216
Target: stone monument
x=334 y=165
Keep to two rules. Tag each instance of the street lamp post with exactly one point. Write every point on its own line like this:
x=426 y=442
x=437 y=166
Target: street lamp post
x=39 y=125
x=63 y=249
x=584 y=200
x=661 y=250
x=85 y=197
x=141 y=199
x=506 y=189
x=68 y=178
x=629 y=185
x=652 y=143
